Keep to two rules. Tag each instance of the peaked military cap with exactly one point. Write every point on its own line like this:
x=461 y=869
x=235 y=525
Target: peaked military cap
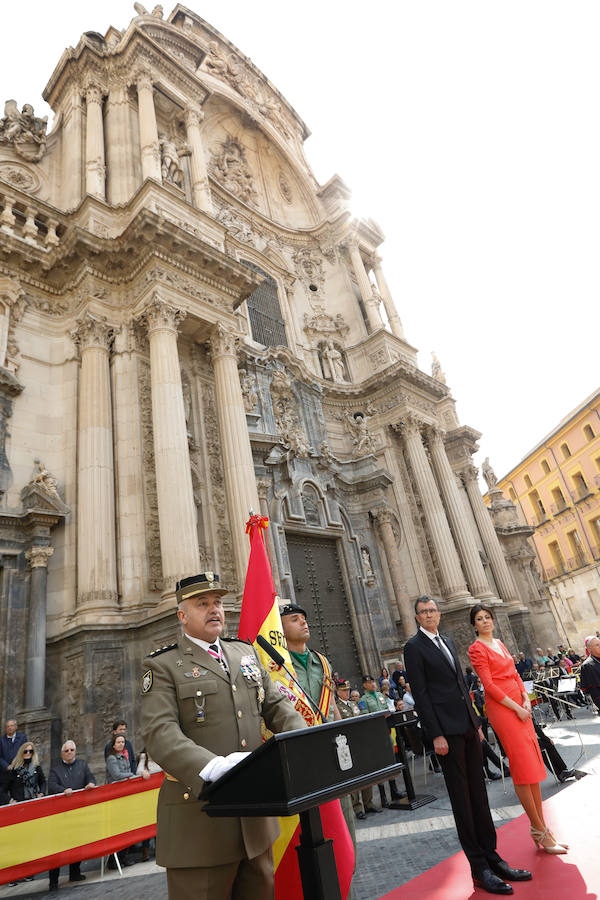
x=198 y=584
x=290 y=608
x=342 y=683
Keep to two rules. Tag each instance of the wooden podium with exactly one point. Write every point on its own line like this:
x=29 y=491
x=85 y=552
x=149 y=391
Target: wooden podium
x=294 y=772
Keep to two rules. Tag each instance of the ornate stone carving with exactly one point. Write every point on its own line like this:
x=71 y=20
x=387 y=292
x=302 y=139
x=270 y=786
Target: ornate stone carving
x=74 y=689
x=44 y=480
x=248 y=385
x=309 y=269
x=152 y=531
x=311 y=505
x=367 y=565
x=107 y=700
x=321 y=323
x=20 y=177
x=38 y=557
x=262 y=486
x=285 y=411
x=363 y=442
x=26 y=132
x=160 y=314
x=230 y=167
x=489 y=474
x=223 y=342
x=93 y=331
x=170 y=153
x=13 y=301
x=236 y=226
x=436 y=369
x=332 y=362
x=285 y=188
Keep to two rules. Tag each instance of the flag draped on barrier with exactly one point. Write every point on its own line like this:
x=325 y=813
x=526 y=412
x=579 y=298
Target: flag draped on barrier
x=53 y=831
x=260 y=615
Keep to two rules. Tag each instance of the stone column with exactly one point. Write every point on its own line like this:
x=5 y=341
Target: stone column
x=96 y=548
x=263 y=485
x=95 y=172
x=176 y=510
x=149 y=148
x=451 y=576
x=383 y=517
x=491 y=543
x=72 y=155
x=388 y=303
x=461 y=527
x=121 y=182
x=238 y=467
x=200 y=183
x=370 y=301
x=35 y=676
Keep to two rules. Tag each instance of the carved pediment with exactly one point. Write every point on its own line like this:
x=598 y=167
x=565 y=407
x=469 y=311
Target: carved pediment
x=33 y=496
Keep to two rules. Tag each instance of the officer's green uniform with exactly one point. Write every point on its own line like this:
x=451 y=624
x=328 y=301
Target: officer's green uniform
x=372 y=701
x=192 y=711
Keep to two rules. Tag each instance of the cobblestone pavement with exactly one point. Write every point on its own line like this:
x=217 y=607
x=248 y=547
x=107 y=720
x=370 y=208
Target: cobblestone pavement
x=393 y=846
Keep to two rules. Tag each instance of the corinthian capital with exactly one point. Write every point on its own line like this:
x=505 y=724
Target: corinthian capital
x=144 y=80
x=159 y=314
x=382 y=515
x=193 y=116
x=38 y=557
x=93 y=94
x=411 y=425
x=223 y=342
x=434 y=434
x=262 y=486
x=469 y=474
x=92 y=331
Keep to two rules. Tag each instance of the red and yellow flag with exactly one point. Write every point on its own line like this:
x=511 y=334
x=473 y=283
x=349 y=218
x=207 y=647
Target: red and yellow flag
x=260 y=615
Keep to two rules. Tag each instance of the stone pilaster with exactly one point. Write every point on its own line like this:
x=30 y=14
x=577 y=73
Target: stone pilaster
x=95 y=171
x=72 y=154
x=491 y=543
x=371 y=302
x=388 y=302
x=121 y=182
x=451 y=576
x=176 y=510
x=96 y=546
x=129 y=463
x=383 y=517
x=200 y=184
x=35 y=667
x=461 y=527
x=149 y=149
x=240 y=480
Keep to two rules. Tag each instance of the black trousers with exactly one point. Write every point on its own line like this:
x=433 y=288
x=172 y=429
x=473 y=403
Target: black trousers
x=463 y=773
x=74 y=871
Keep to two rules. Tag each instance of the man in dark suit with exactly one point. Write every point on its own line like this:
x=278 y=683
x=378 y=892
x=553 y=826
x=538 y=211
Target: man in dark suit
x=9 y=744
x=450 y=722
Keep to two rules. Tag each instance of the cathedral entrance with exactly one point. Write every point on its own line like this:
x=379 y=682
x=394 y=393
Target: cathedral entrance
x=320 y=590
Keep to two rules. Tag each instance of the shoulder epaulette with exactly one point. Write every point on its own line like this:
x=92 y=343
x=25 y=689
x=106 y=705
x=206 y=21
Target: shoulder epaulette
x=164 y=649
x=239 y=640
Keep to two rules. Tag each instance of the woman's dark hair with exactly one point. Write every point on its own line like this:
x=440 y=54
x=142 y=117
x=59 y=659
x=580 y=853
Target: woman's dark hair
x=387 y=674
x=113 y=751
x=480 y=607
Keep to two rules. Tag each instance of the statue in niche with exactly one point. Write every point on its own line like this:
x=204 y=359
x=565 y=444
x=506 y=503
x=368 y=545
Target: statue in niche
x=25 y=131
x=170 y=165
x=489 y=474
x=230 y=168
x=248 y=385
x=366 y=560
x=310 y=504
x=436 y=369
x=333 y=363
x=363 y=442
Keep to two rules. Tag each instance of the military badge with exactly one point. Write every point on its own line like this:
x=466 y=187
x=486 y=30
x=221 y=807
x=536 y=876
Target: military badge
x=249 y=669
x=196 y=672
x=146 y=681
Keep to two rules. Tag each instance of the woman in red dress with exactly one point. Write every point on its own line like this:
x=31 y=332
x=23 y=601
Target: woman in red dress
x=509 y=713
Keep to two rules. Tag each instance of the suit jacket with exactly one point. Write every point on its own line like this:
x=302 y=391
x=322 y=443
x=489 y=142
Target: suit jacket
x=8 y=748
x=193 y=711
x=589 y=678
x=441 y=695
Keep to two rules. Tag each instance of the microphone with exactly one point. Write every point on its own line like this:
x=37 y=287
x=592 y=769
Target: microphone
x=280 y=661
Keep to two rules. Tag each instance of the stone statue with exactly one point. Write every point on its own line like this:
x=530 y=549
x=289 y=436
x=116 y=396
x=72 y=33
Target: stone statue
x=248 y=385
x=170 y=165
x=230 y=168
x=367 y=565
x=333 y=362
x=363 y=442
x=436 y=369
x=216 y=63
x=489 y=474
x=25 y=131
x=42 y=477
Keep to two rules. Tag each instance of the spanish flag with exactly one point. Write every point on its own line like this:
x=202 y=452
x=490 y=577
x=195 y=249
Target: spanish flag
x=260 y=615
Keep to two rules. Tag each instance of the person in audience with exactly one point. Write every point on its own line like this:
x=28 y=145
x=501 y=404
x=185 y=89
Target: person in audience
x=70 y=774
x=523 y=664
x=26 y=779
x=120 y=727
x=389 y=692
x=118 y=767
x=470 y=678
x=398 y=673
x=10 y=742
x=354 y=700
x=509 y=711
x=589 y=676
x=383 y=676
x=146 y=767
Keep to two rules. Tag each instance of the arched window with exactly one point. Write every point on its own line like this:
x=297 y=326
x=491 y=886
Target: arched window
x=264 y=312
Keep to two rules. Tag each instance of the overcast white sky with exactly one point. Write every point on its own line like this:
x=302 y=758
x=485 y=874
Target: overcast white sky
x=470 y=131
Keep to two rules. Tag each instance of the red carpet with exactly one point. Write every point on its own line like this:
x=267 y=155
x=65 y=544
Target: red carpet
x=573 y=815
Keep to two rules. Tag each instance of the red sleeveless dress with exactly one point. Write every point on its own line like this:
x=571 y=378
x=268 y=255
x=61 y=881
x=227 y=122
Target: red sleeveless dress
x=500 y=679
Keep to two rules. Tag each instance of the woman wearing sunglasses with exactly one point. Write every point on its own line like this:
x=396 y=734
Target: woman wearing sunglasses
x=26 y=780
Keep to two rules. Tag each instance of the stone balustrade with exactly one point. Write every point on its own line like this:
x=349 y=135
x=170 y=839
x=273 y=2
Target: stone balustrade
x=23 y=218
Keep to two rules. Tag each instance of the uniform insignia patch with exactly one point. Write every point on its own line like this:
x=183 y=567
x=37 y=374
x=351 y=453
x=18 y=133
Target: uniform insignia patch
x=146 y=681
x=196 y=672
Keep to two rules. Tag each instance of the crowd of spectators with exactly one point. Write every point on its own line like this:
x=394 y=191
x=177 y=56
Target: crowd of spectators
x=22 y=778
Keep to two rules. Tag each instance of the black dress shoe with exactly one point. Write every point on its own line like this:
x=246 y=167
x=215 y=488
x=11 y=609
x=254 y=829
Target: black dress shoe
x=78 y=877
x=361 y=815
x=373 y=809
x=503 y=870
x=491 y=883
x=565 y=775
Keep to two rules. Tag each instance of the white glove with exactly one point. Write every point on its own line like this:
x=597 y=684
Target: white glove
x=219 y=765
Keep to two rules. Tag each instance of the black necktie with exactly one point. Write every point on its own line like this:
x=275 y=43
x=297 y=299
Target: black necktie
x=444 y=650
x=215 y=651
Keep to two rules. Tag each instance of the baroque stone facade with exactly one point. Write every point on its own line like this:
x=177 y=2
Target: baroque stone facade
x=191 y=328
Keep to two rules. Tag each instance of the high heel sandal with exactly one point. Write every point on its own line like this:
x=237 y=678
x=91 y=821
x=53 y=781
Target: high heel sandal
x=538 y=838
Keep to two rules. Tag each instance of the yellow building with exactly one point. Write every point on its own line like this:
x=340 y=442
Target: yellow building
x=556 y=489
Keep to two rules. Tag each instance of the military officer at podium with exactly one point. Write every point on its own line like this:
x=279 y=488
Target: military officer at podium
x=202 y=702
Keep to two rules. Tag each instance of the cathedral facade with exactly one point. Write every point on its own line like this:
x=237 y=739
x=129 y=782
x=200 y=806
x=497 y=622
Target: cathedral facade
x=191 y=327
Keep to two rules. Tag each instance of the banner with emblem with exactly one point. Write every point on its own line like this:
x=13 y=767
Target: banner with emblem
x=260 y=615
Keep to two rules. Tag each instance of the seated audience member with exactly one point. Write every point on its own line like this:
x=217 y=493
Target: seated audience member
x=26 y=780
x=383 y=676
x=589 y=676
x=354 y=700
x=574 y=657
x=523 y=664
x=539 y=657
x=407 y=697
x=398 y=673
x=71 y=774
x=120 y=727
x=389 y=692
x=10 y=742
